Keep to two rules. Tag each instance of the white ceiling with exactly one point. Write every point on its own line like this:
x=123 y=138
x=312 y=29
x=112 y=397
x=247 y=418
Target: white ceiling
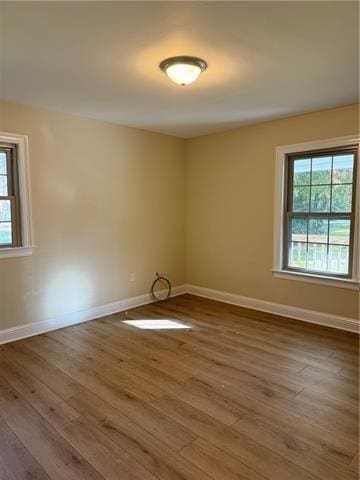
x=100 y=59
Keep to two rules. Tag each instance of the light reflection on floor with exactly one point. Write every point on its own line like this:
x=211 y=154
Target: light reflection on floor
x=156 y=324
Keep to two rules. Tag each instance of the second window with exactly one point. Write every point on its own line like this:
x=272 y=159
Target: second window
x=320 y=212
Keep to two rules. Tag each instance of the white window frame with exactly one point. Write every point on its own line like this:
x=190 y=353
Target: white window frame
x=22 y=147
x=278 y=271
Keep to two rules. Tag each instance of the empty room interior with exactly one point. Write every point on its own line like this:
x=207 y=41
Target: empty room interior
x=179 y=240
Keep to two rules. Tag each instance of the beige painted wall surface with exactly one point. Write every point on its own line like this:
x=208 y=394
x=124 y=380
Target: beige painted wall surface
x=110 y=200
x=107 y=200
x=231 y=208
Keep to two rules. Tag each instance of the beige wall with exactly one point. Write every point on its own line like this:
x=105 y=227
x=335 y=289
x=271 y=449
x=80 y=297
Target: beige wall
x=231 y=208
x=107 y=201
x=110 y=200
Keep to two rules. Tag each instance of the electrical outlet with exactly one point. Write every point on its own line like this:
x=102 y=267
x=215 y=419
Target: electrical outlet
x=132 y=277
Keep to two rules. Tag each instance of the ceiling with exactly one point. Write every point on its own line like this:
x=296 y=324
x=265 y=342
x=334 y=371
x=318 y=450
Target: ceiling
x=100 y=59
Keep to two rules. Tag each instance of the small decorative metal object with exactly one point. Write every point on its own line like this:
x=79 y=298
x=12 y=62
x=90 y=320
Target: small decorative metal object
x=160 y=279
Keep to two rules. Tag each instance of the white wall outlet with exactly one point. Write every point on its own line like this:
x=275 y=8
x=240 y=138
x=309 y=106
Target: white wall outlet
x=132 y=277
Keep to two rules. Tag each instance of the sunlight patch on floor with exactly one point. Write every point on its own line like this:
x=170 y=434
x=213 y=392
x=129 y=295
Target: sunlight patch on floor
x=156 y=324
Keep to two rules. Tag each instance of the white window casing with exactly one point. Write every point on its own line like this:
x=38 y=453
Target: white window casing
x=22 y=147
x=280 y=168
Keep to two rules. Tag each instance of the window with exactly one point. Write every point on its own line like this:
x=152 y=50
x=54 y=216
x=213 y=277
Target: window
x=320 y=206
x=10 y=231
x=317 y=225
x=15 y=211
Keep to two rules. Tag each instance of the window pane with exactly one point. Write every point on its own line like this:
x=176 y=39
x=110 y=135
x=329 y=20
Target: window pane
x=339 y=231
x=5 y=233
x=321 y=170
x=343 y=168
x=318 y=230
x=3 y=186
x=302 y=172
x=5 y=211
x=298 y=229
x=301 y=199
x=2 y=163
x=320 y=199
x=317 y=257
x=341 y=198
x=338 y=259
x=297 y=255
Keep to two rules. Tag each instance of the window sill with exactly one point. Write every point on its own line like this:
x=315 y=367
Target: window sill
x=317 y=279
x=16 y=252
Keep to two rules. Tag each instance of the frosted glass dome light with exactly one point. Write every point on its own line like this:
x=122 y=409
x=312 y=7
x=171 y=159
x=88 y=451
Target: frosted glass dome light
x=183 y=70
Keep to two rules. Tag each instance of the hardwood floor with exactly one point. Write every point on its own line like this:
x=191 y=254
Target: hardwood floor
x=240 y=395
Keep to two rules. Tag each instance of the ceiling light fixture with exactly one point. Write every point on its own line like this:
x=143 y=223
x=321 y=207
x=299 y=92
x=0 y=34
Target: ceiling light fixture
x=183 y=70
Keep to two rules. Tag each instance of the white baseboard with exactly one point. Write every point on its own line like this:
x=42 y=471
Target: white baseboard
x=311 y=316
x=28 y=330
x=23 y=331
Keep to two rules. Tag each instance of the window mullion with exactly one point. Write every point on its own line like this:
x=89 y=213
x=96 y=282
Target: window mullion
x=321 y=214
x=328 y=229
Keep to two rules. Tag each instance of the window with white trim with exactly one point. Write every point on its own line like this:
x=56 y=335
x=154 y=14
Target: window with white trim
x=15 y=209
x=10 y=227
x=317 y=229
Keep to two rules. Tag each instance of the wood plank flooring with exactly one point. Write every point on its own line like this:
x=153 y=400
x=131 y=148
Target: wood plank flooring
x=240 y=395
